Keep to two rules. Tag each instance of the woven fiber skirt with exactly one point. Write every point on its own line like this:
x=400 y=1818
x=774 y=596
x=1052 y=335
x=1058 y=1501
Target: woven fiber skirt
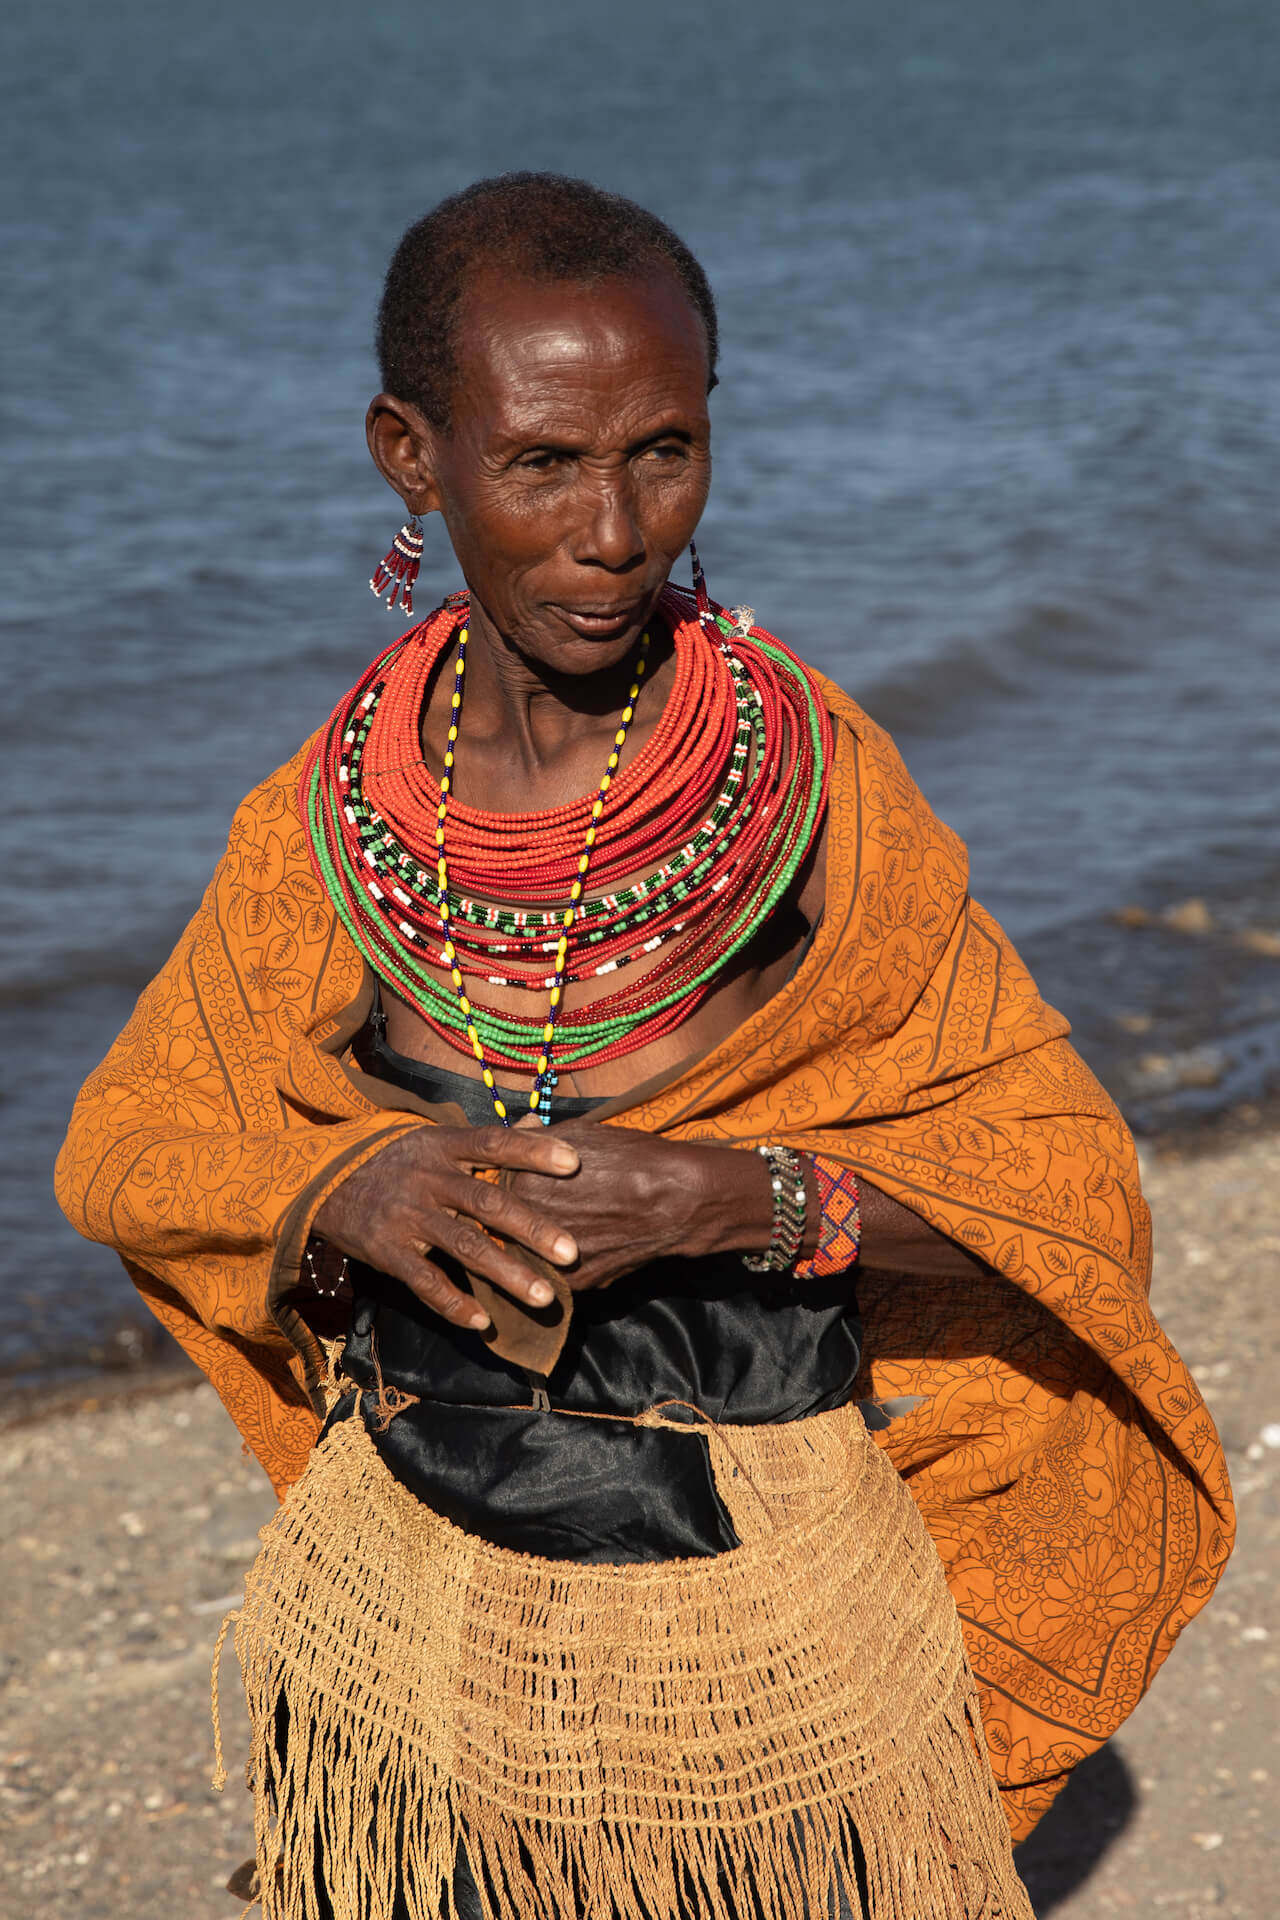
x=785 y=1731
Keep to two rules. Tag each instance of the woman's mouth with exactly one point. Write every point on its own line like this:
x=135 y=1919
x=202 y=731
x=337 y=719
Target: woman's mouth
x=599 y=623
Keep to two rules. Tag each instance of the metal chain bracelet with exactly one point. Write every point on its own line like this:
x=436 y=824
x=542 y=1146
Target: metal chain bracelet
x=317 y=1254
x=790 y=1210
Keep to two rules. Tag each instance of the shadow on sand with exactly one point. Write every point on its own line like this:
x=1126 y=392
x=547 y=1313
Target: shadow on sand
x=1091 y=1812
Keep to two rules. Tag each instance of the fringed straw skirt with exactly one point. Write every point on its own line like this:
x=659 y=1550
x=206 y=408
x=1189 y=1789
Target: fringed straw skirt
x=785 y=1731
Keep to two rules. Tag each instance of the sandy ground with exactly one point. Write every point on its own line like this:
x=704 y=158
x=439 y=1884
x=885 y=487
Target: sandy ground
x=129 y=1525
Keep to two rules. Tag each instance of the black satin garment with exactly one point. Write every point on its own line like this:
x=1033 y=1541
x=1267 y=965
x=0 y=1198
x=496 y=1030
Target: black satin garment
x=741 y=1347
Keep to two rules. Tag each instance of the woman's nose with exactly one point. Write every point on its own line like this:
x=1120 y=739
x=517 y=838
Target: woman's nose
x=610 y=535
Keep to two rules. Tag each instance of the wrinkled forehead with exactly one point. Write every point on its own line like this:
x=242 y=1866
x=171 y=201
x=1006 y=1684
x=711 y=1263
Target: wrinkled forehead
x=530 y=348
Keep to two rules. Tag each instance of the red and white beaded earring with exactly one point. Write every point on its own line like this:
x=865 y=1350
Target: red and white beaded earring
x=396 y=574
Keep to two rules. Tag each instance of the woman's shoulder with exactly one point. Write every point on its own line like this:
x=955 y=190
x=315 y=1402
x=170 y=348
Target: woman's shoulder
x=275 y=799
x=873 y=799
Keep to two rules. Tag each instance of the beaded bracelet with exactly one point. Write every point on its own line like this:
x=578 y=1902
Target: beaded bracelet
x=790 y=1207
x=840 y=1234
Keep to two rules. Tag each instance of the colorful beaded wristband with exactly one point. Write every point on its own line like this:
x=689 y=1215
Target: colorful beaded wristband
x=790 y=1207
x=840 y=1233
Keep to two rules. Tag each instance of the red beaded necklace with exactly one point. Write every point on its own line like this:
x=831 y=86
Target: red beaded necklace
x=701 y=837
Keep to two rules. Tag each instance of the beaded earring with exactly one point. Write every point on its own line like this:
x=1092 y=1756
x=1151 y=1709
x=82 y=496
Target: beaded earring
x=399 y=569
x=706 y=612
x=706 y=618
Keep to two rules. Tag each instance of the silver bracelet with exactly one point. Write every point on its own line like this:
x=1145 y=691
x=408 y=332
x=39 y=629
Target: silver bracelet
x=790 y=1208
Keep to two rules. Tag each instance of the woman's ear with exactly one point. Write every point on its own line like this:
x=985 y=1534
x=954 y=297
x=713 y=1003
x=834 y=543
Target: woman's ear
x=403 y=446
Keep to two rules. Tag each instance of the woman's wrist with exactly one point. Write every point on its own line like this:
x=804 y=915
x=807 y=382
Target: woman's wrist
x=730 y=1201
x=733 y=1203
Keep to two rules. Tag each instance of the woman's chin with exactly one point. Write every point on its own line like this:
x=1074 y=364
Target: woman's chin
x=567 y=644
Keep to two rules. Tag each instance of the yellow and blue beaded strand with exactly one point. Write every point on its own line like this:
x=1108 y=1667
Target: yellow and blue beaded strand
x=545 y=1076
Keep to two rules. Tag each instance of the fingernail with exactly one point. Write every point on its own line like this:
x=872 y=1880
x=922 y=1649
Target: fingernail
x=564 y=1159
x=479 y=1321
x=565 y=1248
x=541 y=1294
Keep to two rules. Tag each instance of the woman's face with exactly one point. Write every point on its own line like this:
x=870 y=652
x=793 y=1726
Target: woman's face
x=578 y=459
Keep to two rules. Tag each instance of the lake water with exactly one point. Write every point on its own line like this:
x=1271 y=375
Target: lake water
x=996 y=446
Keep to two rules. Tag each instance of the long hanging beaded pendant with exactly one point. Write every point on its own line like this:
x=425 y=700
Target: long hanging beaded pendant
x=399 y=569
x=545 y=1076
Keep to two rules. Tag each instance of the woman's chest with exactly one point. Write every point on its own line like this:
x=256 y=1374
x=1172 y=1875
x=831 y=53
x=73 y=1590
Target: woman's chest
x=722 y=1005
x=617 y=1012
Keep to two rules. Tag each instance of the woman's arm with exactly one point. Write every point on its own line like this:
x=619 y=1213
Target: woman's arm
x=637 y=1198
x=220 y=1129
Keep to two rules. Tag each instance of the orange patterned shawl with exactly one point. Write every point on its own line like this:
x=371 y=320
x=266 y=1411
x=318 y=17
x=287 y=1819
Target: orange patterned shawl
x=1062 y=1457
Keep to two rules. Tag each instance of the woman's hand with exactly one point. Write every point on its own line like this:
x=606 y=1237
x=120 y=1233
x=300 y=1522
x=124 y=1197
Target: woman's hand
x=418 y=1198
x=635 y=1198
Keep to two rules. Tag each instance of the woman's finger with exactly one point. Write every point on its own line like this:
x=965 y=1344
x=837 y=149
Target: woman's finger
x=499 y=1211
x=530 y=1149
x=473 y=1249
x=437 y=1291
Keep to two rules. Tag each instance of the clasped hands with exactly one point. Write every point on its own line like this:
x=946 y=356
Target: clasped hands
x=596 y=1201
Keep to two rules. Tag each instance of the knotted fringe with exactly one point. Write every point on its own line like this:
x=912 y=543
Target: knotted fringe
x=219 y=1780
x=787 y=1731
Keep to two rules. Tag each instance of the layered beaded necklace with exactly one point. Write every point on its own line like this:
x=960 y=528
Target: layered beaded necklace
x=716 y=815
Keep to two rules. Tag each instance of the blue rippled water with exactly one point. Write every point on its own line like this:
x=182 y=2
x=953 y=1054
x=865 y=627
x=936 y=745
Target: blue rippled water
x=996 y=439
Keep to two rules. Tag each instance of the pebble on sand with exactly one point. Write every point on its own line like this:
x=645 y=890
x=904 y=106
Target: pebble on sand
x=1205 y=1066
x=1260 y=940
x=1189 y=916
x=1134 y=1022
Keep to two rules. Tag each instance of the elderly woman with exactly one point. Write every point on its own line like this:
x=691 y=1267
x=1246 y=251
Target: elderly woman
x=584 y=1006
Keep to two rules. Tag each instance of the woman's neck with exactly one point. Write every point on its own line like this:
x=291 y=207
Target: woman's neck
x=529 y=737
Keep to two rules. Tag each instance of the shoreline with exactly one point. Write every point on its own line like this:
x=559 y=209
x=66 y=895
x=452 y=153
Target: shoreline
x=1174 y=1001
x=102 y=1392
